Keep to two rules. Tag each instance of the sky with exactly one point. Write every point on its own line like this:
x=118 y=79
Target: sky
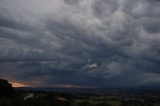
x=80 y=43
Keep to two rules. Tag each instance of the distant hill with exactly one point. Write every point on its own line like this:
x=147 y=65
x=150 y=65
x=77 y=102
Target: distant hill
x=96 y=91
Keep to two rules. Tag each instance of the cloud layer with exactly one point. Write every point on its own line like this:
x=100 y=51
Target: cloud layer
x=101 y=43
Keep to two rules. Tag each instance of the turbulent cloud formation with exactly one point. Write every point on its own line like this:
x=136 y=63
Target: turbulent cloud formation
x=88 y=43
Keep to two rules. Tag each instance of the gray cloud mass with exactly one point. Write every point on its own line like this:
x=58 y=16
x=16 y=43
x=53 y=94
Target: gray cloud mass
x=97 y=43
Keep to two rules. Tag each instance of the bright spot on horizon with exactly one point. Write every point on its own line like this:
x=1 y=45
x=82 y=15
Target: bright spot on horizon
x=15 y=84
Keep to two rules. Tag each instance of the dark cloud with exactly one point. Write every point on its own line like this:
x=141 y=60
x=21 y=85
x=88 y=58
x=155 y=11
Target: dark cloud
x=72 y=2
x=84 y=43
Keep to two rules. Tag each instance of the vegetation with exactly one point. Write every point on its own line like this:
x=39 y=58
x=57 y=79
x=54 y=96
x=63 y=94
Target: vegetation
x=6 y=89
x=9 y=97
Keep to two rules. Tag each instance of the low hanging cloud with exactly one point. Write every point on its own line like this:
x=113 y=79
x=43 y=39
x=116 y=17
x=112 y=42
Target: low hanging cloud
x=97 y=43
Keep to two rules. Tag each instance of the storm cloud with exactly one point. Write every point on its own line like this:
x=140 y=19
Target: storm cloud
x=90 y=43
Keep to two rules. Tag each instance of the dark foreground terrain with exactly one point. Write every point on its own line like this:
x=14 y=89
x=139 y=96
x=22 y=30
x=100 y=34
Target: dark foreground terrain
x=10 y=96
x=82 y=97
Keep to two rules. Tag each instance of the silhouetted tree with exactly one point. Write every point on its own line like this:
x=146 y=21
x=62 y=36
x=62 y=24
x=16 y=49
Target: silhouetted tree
x=6 y=89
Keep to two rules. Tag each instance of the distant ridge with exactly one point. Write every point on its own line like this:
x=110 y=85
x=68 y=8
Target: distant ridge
x=96 y=91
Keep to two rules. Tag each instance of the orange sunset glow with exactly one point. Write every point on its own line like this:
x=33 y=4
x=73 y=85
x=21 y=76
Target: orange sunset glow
x=16 y=84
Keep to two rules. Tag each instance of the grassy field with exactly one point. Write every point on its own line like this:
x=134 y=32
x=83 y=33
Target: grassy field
x=111 y=98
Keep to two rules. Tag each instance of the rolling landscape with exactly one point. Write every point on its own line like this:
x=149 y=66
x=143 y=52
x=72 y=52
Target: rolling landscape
x=27 y=96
